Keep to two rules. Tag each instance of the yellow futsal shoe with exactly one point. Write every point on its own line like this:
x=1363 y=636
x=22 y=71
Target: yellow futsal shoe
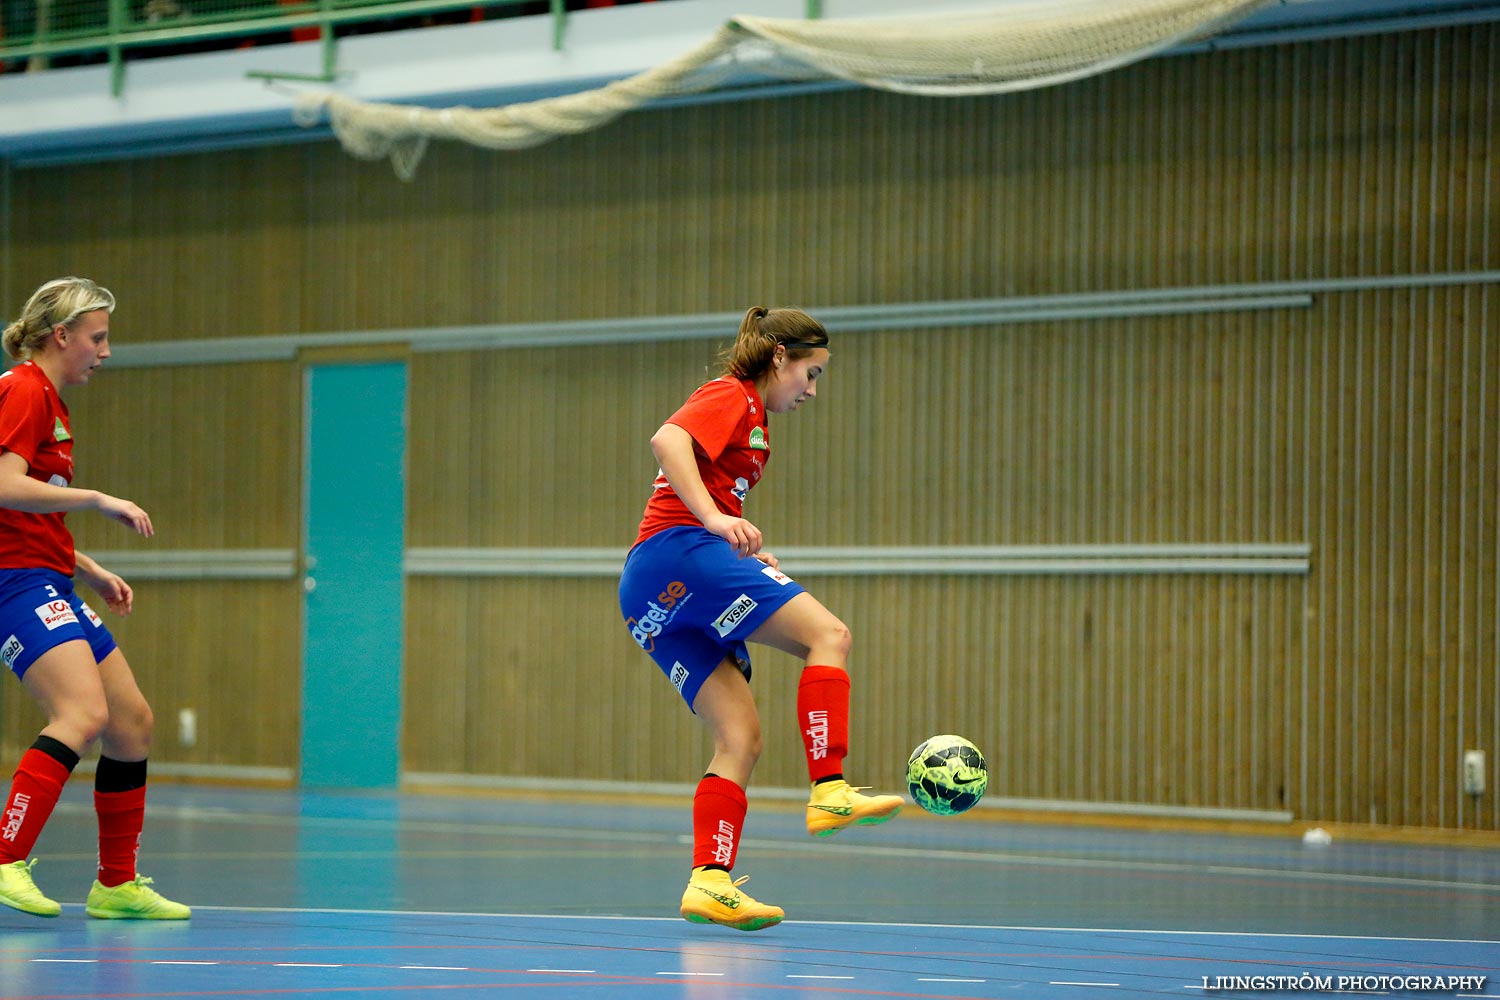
x=836 y=804
x=711 y=898
x=133 y=900
x=19 y=892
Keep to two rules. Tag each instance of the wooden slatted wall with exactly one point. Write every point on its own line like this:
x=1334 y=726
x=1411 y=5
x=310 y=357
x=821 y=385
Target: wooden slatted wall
x=1364 y=425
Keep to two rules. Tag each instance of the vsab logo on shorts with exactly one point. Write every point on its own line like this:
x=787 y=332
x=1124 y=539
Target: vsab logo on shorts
x=10 y=651
x=647 y=627
x=733 y=615
x=56 y=614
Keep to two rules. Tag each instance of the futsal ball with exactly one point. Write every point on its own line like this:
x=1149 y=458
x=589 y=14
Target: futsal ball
x=946 y=775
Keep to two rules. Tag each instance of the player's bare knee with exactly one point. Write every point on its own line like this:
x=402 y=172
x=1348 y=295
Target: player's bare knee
x=129 y=730
x=836 y=636
x=81 y=725
x=744 y=745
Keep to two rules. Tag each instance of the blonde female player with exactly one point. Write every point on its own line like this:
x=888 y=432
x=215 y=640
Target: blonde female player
x=52 y=641
x=697 y=586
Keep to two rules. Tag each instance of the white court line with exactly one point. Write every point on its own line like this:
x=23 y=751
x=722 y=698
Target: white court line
x=67 y=961
x=306 y=965
x=853 y=923
x=792 y=976
x=441 y=968
x=1047 y=861
x=797 y=846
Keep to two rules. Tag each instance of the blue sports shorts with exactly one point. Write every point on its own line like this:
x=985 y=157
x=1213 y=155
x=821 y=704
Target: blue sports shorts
x=689 y=601
x=40 y=610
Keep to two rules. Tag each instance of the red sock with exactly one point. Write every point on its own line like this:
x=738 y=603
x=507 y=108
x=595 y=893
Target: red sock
x=718 y=817
x=121 y=816
x=823 y=713
x=34 y=791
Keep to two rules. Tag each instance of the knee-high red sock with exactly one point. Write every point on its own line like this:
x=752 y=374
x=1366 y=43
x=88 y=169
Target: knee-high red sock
x=34 y=792
x=121 y=816
x=719 y=807
x=120 y=802
x=823 y=712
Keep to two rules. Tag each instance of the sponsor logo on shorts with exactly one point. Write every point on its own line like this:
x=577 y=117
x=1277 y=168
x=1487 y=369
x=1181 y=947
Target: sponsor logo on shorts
x=724 y=843
x=777 y=575
x=15 y=815
x=731 y=616
x=645 y=627
x=55 y=614
x=10 y=651
x=88 y=613
x=678 y=676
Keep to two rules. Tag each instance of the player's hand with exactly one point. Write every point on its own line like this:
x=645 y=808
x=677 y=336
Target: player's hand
x=115 y=591
x=127 y=514
x=741 y=535
x=768 y=559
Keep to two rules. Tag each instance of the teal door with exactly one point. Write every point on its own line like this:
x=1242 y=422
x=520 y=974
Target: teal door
x=353 y=541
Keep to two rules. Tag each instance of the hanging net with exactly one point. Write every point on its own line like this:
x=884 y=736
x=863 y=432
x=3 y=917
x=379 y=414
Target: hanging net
x=1011 y=46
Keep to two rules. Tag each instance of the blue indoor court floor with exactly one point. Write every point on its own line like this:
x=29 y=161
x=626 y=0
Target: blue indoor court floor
x=380 y=894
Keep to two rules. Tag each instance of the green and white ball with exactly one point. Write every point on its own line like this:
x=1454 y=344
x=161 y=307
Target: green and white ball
x=946 y=775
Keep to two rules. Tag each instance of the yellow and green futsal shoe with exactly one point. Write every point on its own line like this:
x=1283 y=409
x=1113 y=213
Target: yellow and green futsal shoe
x=836 y=804
x=133 y=900
x=712 y=898
x=19 y=892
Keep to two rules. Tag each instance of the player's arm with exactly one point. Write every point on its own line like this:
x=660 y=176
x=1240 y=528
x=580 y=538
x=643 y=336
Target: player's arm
x=18 y=491
x=673 y=447
x=110 y=586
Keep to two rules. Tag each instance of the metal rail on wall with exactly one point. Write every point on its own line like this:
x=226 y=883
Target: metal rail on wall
x=115 y=27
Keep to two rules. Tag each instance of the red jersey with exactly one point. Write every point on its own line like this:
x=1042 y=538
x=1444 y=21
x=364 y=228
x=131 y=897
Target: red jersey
x=34 y=425
x=727 y=420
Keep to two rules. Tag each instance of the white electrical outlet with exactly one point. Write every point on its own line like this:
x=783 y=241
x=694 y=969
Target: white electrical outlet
x=187 y=727
x=1473 y=772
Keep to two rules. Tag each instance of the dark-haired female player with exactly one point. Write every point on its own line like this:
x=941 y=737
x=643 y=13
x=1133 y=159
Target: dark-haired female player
x=697 y=586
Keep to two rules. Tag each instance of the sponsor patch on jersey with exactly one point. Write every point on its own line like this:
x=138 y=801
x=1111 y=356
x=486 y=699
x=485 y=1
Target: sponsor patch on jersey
x=733 y=615
x=88 y=613
x=678 y=676
x=59 y=432
x=10 y=651
x=758 y=439
x=776 y=575
x=56 y=614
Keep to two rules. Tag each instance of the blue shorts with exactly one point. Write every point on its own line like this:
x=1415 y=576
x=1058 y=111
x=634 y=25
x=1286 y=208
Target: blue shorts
x=39 y=611
x=689 y=601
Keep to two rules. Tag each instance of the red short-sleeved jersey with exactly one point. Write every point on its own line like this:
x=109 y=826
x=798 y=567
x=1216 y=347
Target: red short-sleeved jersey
x=34 y=425
x=727 y=420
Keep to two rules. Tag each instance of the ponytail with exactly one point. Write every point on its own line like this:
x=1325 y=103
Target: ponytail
x=761 y=331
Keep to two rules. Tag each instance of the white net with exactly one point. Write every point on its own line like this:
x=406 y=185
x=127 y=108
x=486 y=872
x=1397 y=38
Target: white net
x=1014 y=46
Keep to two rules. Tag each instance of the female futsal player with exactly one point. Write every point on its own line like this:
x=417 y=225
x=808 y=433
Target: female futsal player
x=61 y=651
x=697 y=586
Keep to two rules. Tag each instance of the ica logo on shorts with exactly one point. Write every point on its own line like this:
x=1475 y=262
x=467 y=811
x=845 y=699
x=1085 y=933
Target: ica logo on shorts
x=55 y=614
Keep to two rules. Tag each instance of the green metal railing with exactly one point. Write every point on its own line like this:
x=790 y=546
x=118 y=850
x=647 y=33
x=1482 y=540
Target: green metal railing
x=33 y=32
